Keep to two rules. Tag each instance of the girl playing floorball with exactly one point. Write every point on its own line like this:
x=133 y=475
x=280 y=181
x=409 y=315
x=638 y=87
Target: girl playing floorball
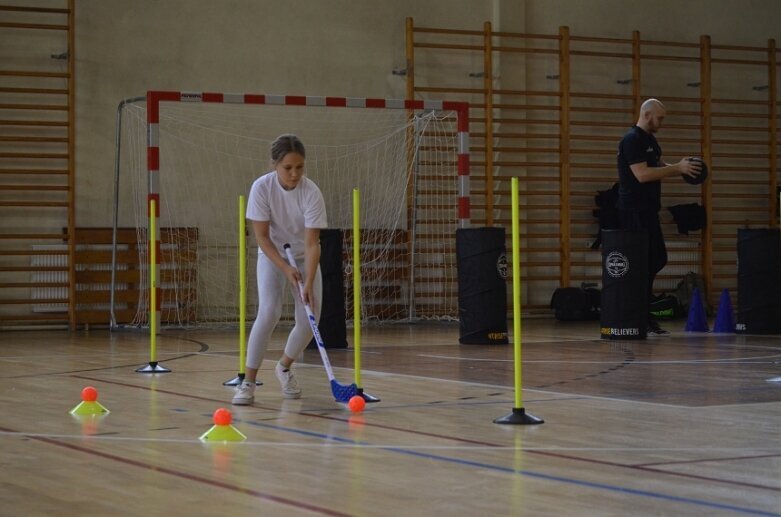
x=284 y=207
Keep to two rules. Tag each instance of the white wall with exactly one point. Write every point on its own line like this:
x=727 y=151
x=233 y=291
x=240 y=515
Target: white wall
x=323 y=47
x=334 y=47
x=735 y=22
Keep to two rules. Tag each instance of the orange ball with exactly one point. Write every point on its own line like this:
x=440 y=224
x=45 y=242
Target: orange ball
x=222 y=417
x=356 y=404
x=89 y=394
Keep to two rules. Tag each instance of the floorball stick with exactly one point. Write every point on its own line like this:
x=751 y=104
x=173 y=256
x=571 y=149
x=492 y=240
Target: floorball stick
x=342 y=392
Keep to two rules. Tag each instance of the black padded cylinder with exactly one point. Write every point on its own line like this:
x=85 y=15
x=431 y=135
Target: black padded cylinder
x=482 y=286
x=759 y=281
x=332 y=325
x=624 y=303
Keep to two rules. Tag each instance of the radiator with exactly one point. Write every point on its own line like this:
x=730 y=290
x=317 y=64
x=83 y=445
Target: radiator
x=49 y=277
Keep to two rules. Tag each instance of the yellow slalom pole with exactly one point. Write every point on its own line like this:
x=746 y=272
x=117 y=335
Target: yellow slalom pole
x=357 y=284
x=516 y=244
x=153 y=367
x=152 y=282
x=357 y=295
x=242 y=253
x=519 y=416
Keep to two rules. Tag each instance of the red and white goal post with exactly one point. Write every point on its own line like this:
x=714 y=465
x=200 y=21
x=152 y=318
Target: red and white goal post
x=408 y=158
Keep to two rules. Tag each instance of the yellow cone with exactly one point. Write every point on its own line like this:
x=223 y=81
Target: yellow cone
x=223 y=433
x=89 y=408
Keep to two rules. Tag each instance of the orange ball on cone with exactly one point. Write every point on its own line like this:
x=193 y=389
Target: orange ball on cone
x=222 y=417
x=89 y=394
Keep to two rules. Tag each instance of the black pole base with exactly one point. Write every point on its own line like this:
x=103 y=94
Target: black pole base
x=153 y=367
x=236 y=381
x=519 y=416
x=367 y=397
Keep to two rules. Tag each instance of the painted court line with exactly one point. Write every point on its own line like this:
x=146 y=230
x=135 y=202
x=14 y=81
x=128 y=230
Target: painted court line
x=740 y=360
x=193 y=477
x=362 y=445
x=535 y=474
x=445 y=437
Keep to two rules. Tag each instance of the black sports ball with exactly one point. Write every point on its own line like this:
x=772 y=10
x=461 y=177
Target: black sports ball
x=696 y=180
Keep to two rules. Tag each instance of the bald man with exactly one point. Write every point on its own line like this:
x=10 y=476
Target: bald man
x=640 y=174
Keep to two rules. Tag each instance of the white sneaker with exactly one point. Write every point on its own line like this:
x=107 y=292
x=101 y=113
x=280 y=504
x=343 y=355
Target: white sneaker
x=245 y=394
x=290 y=388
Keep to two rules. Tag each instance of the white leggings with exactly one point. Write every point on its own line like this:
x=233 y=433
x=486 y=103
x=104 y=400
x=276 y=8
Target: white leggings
x=271 y=286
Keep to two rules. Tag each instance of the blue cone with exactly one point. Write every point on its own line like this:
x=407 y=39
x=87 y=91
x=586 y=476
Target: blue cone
x=697 y=321
x=725 y=319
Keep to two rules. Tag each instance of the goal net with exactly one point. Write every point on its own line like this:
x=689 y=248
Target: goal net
x=195 y=154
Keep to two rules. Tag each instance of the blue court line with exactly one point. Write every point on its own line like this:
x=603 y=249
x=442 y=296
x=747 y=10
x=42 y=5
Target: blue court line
x=688 y=393
x=523 y=472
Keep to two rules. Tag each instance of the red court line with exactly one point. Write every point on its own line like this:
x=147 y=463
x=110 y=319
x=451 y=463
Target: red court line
x=184 y=475
x=733 y=458
x=461 y=440
x=658 y=471
x=303 y=413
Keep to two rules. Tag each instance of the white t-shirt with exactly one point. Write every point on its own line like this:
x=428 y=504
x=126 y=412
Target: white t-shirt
x=289 y=212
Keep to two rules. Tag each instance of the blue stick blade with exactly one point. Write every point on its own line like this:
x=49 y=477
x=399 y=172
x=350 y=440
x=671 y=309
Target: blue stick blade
x=343 y=393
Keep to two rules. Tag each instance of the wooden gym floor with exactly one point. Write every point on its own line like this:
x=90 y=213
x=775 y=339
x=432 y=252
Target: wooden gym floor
x=684 y=425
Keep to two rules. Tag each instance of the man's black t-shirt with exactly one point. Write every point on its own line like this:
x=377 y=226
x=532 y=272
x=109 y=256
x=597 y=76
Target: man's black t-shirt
x=637 y=146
